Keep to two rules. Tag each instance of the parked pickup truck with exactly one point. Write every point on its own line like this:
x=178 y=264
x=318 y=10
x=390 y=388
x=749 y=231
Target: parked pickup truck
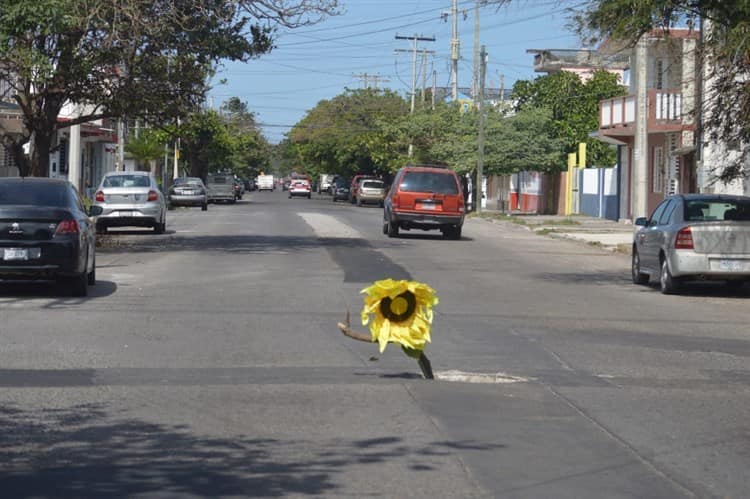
x=220 y=187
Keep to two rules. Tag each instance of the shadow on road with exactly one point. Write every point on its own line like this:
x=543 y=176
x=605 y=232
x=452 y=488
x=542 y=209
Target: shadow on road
x=81 y=452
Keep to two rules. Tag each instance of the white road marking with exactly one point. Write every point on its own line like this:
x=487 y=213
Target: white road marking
x=328 y=226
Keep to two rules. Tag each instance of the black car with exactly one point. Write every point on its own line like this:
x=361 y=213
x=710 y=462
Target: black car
x=46 y=233
x=340 y=189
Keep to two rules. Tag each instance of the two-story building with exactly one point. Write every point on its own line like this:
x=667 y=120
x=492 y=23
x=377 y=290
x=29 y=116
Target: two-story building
x=655 y=124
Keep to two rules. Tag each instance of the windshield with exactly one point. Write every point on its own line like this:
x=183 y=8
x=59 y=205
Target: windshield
x=442 y=183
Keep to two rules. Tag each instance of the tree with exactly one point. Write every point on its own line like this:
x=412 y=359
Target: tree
x=341 y=135
x=114 y=58
x=574 y=108
x=725 y=46
x=146 y=147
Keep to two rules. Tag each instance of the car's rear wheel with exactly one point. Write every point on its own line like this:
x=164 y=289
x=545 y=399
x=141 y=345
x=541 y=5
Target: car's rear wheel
x=667 y=282
x=204 y=207
x=635 y=269
x=160 y=227
x=454 y=233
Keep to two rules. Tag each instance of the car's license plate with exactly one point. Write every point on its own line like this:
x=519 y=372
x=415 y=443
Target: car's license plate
x=428 y=206
x=15 y=254
x=126 y=213
x=731 y=265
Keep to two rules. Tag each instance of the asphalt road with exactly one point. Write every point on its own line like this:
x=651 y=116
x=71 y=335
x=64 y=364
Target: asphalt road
x=207 y=363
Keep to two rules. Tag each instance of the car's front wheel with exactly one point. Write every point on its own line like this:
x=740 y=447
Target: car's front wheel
x=635 y=269
x=667 y=282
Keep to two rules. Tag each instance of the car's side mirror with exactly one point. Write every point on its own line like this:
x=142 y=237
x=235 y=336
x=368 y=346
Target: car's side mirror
x=95 y=211
x=641 y=221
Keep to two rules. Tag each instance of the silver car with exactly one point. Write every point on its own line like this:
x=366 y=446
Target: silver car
x=188 y=191
x=130 y=199
x=370 y=191
x=692 y=237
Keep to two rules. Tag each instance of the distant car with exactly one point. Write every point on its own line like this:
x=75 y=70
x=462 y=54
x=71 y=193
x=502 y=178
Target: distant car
x=371 y=192
x=424 y=197
x=239 y=189
x=300 y=188
x=340 y=189
x=354 y=185
x=693 y=236
x=220 y=187
x=187 y=191
x=130 y=199
x=46 y=233
x=285 y=185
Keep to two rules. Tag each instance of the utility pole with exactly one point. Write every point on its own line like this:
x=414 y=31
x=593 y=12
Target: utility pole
x=480 y=138
x=424 y=77
x=434 y=88
x=454 y=51
x=367 y=78
x=415 y=39
x=475 y=76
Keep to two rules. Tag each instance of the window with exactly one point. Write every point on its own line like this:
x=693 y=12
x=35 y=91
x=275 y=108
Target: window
x=656 y=215
x=440 y=183
x=667 y=213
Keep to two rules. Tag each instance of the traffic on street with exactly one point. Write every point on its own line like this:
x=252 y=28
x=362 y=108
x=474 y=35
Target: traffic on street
x=206 y=362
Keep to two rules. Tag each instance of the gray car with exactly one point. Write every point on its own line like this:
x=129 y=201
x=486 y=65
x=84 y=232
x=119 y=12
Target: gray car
x=693 y=237
x=188 y=191
x=130 y=199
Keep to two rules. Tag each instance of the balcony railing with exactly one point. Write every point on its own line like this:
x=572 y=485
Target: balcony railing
x=617 y=115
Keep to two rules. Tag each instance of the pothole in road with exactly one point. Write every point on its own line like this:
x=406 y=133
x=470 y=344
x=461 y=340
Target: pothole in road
x=464 y=377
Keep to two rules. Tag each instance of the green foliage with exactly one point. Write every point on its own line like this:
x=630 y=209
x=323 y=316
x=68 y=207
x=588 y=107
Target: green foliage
x=574 y=110
x=147 y=146
x=348 y=134
x=148 y=60
x=224 y=141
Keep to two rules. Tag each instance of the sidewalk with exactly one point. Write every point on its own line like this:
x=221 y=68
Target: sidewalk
x=607 y=234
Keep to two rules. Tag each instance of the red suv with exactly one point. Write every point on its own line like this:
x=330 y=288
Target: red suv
x=424 y=197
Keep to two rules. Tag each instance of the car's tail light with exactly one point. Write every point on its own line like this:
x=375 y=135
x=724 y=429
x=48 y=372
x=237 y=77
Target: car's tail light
x=153 y=196
x=684 y=239
x=67 y=227
x=395 y=202
x=99 y=197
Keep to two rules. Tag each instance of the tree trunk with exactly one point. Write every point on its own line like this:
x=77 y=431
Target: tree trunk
x=40 y=153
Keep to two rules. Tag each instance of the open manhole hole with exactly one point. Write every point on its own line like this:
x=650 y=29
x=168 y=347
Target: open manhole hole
x=464 y=377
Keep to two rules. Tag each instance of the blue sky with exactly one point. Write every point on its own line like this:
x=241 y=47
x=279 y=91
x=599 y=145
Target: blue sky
x=319 y=62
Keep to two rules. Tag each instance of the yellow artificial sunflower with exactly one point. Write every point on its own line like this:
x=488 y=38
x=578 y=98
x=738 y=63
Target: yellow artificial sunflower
x=402 y=313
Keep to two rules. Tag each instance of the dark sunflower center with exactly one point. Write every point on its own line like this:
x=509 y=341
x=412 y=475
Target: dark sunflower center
x=400 y=308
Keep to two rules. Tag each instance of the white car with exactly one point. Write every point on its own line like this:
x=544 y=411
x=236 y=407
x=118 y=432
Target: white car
x=130 y=199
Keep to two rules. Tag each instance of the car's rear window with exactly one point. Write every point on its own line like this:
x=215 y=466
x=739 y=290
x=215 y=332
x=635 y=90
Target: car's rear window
x=188 y=181
x=372 y=184
x=719 y=210
x=126 y=181
x=219 y=180
x=35 y=194
x=441 y=183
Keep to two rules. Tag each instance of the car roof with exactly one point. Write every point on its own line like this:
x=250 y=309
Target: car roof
x=428 y=168
x=113 y=174
x=713 y=197
x=34 y=180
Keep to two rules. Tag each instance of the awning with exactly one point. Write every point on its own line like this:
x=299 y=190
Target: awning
x=606 y=139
